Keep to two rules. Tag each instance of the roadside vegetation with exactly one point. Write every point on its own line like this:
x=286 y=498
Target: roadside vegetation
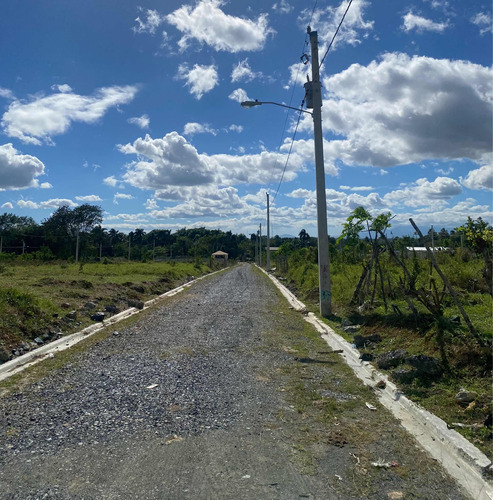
x=434 y=310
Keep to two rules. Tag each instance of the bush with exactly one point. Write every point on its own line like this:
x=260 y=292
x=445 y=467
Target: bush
x=44 y=253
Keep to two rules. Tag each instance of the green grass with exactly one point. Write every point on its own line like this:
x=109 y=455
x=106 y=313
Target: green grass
x=32 y=293
x=470 y=365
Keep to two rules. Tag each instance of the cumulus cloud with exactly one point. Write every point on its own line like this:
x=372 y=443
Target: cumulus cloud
x=327 y=20
x=141 y=121
x=209 y=201
x=420 y=24
x=192 y=128
x=282 y=7
x=236 y=128
x=91 y=198
x=483 y=21
x=357 y=188
x=6 y=93
x=18 y=171
x=243 y=71
x=239 y=95
x=170 y=164
x=481 y=178
x=27 y=204
x=63 y=88
x=57 y=203
x=48 y=204
x=111 y=181
x=121 y=196
x=45 y=185
x=403 y=109
x=200 y=79
x=43 y=117
x=150 y=22
x=7 y=206
x=425 y=193
x=206 y=23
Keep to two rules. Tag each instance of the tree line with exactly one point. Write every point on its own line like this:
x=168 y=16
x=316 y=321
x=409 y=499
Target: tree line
x=77 y=233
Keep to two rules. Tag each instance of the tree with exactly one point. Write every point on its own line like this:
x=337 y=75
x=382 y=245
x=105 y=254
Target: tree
x=66 y=221
x=479 y=236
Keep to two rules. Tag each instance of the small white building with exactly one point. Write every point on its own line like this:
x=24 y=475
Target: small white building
x=421 y=251
x=220 y=257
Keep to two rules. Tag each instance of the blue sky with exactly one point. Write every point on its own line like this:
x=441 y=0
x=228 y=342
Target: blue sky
x=134 y=106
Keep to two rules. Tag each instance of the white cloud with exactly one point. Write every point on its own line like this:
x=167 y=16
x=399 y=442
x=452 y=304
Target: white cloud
x=43 y=117
x=403 y=109
x=134 y=218
x=121 y=196
x=420 y=24
x=56 y=203
x=483 y=21
x=27 y=204
x=425 y=193
x=45 y=185
x=141 y=121
x=209 y=201
x=63 y=88
x=242 y=71
x=282 y=7
x=239 y=95
x=192 y=128
x=151 y=22
x=357 y=188
x=151 y=204
x=327 y=20
x=481 y=178
x=18 y=171
x=236 y=128
x=110 y=181
x=171 y=165
x=7 y=205
x=6 y=93
x=91 y=198
x=200 y=79
x=206 y=23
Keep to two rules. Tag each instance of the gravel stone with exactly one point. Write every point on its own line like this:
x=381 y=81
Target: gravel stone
x=173 y=407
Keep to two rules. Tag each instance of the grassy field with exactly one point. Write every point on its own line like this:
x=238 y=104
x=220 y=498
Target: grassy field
x=35 y=298
x=469 y=363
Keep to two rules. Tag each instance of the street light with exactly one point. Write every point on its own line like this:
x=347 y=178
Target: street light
x=314 y=101
x=251 y=104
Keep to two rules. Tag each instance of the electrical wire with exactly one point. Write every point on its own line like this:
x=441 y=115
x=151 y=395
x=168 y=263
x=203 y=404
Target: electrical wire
x=293 y=88
x=290 y=149
x=335 y=34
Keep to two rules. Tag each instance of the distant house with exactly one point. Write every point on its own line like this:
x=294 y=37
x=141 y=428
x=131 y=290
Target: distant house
x=220 y=257
x=421 y=251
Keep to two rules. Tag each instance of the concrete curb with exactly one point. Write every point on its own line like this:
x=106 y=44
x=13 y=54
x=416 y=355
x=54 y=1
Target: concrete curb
x=19 y=364
x=460 y=458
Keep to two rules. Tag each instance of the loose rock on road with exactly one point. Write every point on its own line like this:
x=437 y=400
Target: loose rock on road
x=220 y=392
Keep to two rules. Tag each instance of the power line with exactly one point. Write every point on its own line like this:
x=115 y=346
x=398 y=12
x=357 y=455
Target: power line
x=335 y=34
x=293 y=88
x=290 y=149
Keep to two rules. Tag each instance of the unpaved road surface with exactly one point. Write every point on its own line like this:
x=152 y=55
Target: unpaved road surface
x=222 y=392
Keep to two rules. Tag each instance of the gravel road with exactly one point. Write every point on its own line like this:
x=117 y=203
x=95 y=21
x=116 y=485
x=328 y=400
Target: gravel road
x=189 y=402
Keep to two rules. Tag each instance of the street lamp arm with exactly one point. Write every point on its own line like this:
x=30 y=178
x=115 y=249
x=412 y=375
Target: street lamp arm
x=251 y=104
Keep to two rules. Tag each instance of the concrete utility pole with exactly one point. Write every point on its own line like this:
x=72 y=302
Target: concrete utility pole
x=260 y=246
x=268 y=234
x=77 y=246
x=323 y=237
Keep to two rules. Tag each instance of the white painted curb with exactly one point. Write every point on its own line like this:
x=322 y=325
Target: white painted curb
x=20 y=363
x=460 y=458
